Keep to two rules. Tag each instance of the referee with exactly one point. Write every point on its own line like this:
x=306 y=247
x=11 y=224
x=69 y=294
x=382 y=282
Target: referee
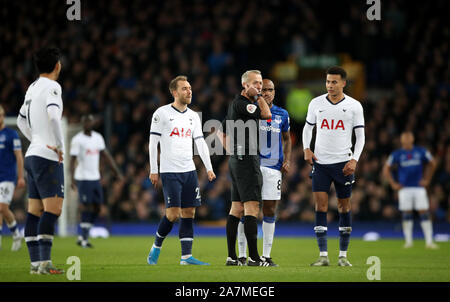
x=242 y=123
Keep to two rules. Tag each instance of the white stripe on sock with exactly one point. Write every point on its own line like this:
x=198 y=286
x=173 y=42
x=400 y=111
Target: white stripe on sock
x=31 y=238
x=44 y=236
x=186 y=239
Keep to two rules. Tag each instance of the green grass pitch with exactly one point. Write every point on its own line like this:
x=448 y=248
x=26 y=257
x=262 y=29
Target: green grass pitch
x=123 y=259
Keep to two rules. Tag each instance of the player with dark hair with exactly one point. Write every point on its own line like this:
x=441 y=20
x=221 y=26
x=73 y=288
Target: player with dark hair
x=86 y=148
x=174 y=127
x=40 y=121
x=336 y=116
x=11 y=173
x=414 y=167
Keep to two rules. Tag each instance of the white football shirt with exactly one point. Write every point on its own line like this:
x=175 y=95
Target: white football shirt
x=40 y=95
x=334 y=127
x=87 y=150
x=177 y=131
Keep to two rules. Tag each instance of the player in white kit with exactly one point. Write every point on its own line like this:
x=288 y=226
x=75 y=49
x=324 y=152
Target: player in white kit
x=85 y=150
x=40 y=121
x=336 y=116
x=174 y=127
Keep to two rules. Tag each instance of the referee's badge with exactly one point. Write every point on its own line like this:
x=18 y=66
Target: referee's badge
x=251 y=108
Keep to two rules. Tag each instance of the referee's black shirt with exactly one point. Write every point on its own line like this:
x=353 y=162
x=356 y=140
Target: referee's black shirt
x=245 y=110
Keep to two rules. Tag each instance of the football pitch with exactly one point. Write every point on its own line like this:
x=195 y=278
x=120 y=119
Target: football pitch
x=123 y=259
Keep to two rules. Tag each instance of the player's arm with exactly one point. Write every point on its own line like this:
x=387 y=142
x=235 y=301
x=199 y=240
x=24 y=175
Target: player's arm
x=387 y=173
x=73 y=162
x=287 y=146
x=358 y=128
x=19 y=161
x=54 y=111
x=154 y=139
x=204 y=155
x=430 y=168
x=22 y=123
x=308 y=133
x=112 y=163
x=350 y=166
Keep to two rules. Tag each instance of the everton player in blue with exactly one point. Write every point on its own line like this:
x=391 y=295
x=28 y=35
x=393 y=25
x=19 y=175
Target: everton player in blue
x=11 y=173
x=275 y=152
x=414 y=167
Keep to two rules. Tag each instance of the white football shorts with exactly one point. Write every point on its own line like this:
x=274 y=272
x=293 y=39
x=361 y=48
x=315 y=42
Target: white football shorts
x=271 y=188
x=6 y=191
x=412 y=199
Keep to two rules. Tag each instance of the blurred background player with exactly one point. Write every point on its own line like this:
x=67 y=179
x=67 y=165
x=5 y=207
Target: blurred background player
x=275 y=153
x=414 y=167
x=336 y=116
x=11 y=173
x=244 y=165
x=85 y=150
x=173 y=127
x=40 y=121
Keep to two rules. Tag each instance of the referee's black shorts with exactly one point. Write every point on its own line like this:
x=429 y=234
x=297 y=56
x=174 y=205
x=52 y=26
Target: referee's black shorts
x=246 y=178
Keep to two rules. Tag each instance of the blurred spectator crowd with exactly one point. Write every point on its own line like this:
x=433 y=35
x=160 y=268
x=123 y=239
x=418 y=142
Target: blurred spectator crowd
x=119 y=59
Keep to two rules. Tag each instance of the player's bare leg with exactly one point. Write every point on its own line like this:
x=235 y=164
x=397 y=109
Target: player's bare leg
x=10 y=220
x=236 y=213
x=268 y=226
x=407 y=226
x=345 y=230
x=46 y=230
x=321 y=207
x=35 y=210
x=427 y=228
x=186 y=235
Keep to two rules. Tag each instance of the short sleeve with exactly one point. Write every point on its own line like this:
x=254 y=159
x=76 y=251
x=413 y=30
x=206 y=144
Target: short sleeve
x=74 y=146
x=157 y=123
x=101 y=143
x=247 y=109
x=427 y=157
x=311 y=115
x=358 y=120
x=391 y=160
x=286 y=123
x=198 y=131
x=17 y=145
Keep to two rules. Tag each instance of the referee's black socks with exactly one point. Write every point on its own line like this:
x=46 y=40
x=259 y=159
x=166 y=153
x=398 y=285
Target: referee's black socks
x=232 y=226
x=251 y=233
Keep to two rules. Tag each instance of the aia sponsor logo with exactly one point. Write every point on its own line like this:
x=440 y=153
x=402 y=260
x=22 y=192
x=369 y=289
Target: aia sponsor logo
x=332 y=125
x=182 y=133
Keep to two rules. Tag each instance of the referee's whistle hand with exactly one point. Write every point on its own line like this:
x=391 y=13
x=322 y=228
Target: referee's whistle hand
x=211 y=176
x=154 y=179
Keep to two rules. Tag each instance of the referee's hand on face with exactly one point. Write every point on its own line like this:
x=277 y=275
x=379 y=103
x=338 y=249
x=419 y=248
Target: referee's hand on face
x=154 y=179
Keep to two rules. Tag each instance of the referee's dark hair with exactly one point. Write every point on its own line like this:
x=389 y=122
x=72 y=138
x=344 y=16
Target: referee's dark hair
x=45 y=59
x=337 y=70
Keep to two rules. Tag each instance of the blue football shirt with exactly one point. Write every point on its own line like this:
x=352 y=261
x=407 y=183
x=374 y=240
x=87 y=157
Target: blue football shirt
x=410 y=164
x=270 y=144
x=9 y=141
